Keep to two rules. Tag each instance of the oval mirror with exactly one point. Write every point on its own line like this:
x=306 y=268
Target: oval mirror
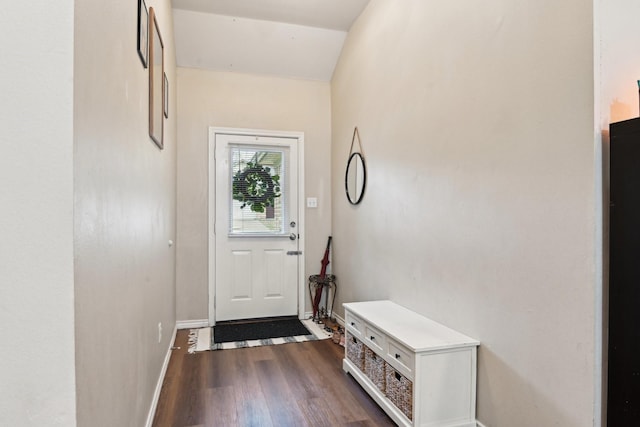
x=355 y=179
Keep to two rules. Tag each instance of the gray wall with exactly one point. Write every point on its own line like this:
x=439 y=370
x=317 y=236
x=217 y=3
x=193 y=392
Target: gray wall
x=125 y=214
x=477 y=122
x=222 y=99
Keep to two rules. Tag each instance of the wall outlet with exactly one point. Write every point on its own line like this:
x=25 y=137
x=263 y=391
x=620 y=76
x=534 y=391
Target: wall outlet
x=312 y=202
x=159 y=332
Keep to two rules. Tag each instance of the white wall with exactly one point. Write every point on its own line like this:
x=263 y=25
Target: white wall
x=208 y=98
x=36 y=195
x=124 y=216
x=477 y=125
x=619 y=63
x=243 y=45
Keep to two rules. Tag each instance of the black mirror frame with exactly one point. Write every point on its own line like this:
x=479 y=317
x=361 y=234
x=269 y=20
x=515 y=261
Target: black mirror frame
x=364 y=180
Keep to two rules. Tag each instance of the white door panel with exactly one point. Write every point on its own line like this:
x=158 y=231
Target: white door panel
x=256 y=273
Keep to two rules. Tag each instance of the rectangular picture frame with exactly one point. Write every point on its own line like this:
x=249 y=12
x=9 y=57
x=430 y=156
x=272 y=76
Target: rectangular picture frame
x=143 y=33
x=156 y=81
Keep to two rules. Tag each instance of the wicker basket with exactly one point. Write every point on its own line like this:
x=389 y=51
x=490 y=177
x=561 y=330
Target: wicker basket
x=399 y=391
x=355 y=351
x=374 y=368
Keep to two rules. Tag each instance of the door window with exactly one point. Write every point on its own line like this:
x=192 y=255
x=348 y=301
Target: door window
x=258 y=191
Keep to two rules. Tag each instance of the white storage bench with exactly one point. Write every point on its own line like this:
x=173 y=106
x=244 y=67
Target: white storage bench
x=419 y=371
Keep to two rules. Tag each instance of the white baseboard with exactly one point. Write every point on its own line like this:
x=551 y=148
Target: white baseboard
x=163 y=372
x=192 y=324
x=479 y=424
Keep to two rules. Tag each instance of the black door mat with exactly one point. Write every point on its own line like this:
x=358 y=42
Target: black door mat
x=258 y=330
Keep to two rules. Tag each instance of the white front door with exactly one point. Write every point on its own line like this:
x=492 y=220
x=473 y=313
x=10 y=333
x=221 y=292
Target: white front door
x=256 y=226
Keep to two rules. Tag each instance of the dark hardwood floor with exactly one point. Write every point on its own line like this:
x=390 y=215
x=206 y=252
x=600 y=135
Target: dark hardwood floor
x=283 y=385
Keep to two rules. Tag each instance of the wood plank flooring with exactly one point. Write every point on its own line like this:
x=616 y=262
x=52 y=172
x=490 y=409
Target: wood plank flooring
x=274 y=386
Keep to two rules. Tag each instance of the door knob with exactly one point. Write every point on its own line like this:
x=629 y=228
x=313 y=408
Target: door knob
x=292 y=236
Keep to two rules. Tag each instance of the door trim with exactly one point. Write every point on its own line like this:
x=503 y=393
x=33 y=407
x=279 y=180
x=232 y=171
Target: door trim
x=213 y=131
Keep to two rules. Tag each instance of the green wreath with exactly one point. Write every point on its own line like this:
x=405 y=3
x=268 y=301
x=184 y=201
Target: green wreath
x=254 y=186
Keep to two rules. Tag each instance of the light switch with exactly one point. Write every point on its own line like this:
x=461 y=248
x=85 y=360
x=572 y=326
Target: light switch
x=312 y=202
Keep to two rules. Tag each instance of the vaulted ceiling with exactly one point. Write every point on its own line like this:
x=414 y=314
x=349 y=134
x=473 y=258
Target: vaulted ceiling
x=288 y=38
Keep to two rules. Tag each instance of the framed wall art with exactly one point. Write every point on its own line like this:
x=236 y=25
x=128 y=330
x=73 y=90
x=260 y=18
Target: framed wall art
x=143 y=32
x=165 y=91
x=156 y=81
